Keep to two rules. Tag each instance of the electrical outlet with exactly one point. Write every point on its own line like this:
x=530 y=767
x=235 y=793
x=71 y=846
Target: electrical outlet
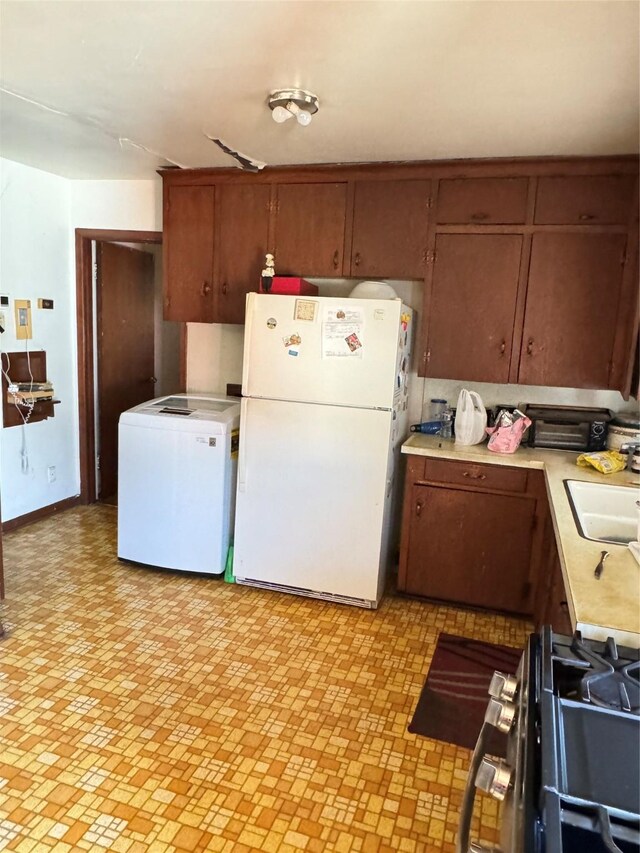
x=51 y=473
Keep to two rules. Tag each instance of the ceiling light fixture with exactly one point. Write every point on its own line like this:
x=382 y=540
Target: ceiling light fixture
x=287 y=103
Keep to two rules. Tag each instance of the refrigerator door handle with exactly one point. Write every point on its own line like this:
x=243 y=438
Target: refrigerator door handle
x=248 y=323
x=242 y=465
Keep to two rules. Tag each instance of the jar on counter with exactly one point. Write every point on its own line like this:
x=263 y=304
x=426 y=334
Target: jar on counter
x=434 y=409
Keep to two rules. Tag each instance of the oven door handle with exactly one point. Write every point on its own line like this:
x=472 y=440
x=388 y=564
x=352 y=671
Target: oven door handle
x=605 y=829
x=466 y=811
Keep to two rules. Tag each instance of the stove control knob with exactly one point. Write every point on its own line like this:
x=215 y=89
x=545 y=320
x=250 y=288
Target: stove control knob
x=500 y=714
x=503 y=686
x=494 y=777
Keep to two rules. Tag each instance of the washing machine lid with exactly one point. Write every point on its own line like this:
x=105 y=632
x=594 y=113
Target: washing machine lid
x=190 y=404
x=180 y=411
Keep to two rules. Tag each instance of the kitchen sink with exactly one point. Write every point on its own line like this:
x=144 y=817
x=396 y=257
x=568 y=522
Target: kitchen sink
x=604 y=513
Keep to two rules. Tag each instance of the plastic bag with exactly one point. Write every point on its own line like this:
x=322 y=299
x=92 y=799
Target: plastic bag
x=471 y=418
x=607 y=461
x=506 y=435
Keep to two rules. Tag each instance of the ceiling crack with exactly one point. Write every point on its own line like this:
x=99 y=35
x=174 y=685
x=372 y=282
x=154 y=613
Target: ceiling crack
x=90 y=122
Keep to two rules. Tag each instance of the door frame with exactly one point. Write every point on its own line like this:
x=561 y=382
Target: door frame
x=85 y=308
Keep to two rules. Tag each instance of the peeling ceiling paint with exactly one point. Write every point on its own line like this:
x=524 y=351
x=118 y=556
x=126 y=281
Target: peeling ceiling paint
x=119 y=89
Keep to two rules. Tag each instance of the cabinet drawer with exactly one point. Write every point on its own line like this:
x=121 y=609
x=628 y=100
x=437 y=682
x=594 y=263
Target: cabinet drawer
x=497 y=477
x=482 y=201
x=584 y=199
x=415 y=468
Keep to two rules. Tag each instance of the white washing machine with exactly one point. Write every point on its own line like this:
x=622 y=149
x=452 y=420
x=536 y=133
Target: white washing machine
x=177 y=465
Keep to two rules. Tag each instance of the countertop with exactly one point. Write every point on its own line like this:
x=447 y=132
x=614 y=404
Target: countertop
x=600 y=608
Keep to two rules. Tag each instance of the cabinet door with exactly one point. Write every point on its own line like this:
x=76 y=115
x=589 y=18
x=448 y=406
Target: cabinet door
x=187 y=236
x=390 y=228
x=584 y=199
x=471 y=547
x=309 y=229
x=470 y=319
x=572 y=303
x=243 y=229
x=482 y=201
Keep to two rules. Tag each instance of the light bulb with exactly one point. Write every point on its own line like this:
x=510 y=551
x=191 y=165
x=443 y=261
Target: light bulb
x=281 y=114
x=303 y=117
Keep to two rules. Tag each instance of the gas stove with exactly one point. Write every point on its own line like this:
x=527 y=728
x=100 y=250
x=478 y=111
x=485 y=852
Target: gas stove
x=589 y=725
x=571 y=781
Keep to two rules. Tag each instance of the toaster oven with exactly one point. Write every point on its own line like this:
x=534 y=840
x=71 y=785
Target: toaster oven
x=567 y=427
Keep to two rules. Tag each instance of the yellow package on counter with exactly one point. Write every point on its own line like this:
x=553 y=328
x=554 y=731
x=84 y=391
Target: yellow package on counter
x=607 y=461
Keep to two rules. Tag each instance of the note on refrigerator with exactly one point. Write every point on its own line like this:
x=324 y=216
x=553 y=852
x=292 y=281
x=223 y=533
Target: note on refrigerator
x=342 y=333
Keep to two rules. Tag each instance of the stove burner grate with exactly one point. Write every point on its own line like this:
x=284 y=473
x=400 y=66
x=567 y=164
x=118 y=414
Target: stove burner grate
x=611 y=682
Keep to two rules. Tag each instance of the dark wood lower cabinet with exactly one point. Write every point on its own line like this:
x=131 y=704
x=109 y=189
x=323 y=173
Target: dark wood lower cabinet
x=469 y=545
x=552 y=607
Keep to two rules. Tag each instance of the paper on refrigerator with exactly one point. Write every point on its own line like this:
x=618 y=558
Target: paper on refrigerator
x=342 y=333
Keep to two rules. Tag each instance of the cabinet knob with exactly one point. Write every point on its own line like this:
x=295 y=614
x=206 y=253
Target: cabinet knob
x=224 y=287
x=530 y=346
x=585 y=217
x=479 y=216
x=356 y=260
x=336 y=259
x=418 y=508
x=474 y=476
x=503 y=347
x=205 y=290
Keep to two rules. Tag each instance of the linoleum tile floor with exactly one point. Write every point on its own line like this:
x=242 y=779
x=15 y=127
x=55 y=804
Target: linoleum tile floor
x=150 y=711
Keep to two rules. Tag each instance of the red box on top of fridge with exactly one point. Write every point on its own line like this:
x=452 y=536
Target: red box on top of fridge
x=291 y=285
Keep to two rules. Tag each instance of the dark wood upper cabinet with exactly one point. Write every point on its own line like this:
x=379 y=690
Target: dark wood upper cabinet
x=482 y=201
x=390 y=221
x=188 y=253
x=472 y=306
x=309 y=229
x=570 y=322
x=523 y=274
x=584 y=200
x=242 y=214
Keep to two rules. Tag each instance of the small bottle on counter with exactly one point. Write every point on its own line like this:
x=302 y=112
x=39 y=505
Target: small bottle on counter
x=446 y=430
x=427 y=427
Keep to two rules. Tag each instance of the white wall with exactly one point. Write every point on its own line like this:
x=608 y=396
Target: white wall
x=38 y=216
x=35 y=262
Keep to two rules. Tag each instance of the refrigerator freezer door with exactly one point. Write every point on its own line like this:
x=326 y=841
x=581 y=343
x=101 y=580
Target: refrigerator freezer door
x=311 y=499
x=296 y=348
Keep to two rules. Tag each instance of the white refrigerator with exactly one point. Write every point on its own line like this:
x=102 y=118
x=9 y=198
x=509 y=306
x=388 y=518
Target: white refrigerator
x=323 y=414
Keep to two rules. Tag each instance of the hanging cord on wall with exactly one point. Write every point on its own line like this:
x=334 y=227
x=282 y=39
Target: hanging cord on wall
x=18 y=402
x=24 y=452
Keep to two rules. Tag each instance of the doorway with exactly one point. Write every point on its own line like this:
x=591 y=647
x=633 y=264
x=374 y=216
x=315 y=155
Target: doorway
x=124 y=349
x=126 y=352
